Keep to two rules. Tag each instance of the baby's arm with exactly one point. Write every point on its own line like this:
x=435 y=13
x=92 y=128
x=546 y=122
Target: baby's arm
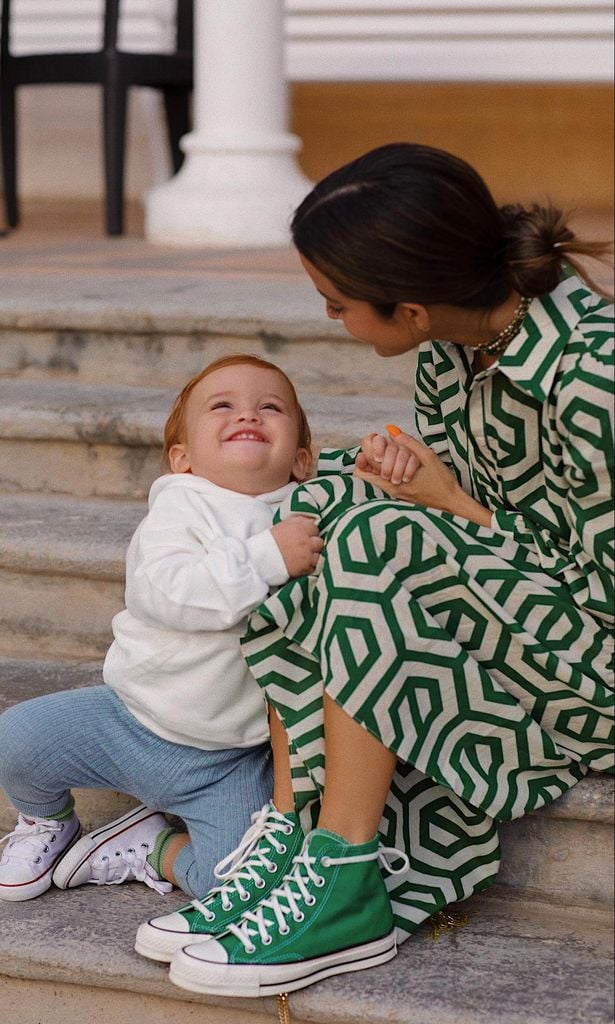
x=182 y=575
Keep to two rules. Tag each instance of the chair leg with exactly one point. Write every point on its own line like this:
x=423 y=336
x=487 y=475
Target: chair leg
x=115 y=96
x=9 y=152
x=177 y=108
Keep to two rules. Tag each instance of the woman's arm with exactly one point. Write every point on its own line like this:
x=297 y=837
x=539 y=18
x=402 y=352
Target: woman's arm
x=410 y=471
x=584 y=421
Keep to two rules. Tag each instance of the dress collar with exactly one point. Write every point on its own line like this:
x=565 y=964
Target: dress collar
x=532 y=358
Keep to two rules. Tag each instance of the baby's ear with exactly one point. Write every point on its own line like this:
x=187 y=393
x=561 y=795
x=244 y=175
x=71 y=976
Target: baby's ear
x=178 y=459
x=302 y=466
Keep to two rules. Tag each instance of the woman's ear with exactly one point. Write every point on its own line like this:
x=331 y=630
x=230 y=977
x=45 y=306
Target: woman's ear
x=302 y=466
x=178 y=459
x=416 y=315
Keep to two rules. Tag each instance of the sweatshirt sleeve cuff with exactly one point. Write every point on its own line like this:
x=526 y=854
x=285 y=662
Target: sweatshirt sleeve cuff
x=267 y=559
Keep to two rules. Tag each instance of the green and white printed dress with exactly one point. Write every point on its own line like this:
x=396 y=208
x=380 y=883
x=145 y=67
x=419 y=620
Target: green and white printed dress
x=481 y=655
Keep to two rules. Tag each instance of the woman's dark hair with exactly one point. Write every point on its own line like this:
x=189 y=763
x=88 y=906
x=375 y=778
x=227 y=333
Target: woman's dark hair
x=408 y=223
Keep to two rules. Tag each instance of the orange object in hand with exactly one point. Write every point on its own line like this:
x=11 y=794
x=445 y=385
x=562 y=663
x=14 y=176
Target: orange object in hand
x=393 y=430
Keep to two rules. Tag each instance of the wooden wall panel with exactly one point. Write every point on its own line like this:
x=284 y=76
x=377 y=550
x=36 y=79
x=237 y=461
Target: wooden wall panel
x=528 y=141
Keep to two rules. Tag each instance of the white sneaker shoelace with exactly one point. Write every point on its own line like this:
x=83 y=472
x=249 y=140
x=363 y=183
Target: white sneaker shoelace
x=246 y=863
x=285 y=900
x=30 y=839
x=125 y=866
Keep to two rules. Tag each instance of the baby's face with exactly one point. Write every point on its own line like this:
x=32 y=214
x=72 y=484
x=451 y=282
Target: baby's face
x=241 y=431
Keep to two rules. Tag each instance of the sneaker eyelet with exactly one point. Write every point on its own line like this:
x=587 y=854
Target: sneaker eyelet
x=244 y=897
x=288 y=830
x=53 y=838
x=261 y=884
x=283 y=931
x=118 y=853
x=250 y=950
x=299 y=917
x=104 y=857
x=269 y=940
x=130 y=849
x=320 y=881
x=272 y=868
x=283 y=849
x=37 y=860
x=310 y=901
x=45 y=849
x=326 y=862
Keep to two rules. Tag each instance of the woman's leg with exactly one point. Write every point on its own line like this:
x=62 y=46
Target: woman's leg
x=283 y=796
x=358 y=775
x=359 y=770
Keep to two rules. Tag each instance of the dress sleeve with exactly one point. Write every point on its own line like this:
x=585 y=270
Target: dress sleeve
x=429 y=420
x=333 y=461
x=584 y=421
x=186 y=577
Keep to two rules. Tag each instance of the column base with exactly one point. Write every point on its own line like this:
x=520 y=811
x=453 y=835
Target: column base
x=227 y=200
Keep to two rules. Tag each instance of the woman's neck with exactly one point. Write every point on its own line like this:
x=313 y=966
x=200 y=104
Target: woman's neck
x=472 y=327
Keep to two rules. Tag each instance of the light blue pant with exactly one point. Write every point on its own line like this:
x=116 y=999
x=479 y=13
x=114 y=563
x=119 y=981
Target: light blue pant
x=88 y=738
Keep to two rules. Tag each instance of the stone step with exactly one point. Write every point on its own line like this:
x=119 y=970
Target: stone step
x=151 y=328
x=68 y=956
x=105 y=440
x=561 y=854
x=62 y=572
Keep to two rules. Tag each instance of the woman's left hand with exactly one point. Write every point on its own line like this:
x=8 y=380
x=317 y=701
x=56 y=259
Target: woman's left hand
x=407 y=469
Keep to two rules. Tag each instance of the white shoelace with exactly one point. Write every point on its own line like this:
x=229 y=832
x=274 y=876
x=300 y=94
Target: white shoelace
x=246 y=863
x=302 y=873
x=30 y=838
x=124 y=866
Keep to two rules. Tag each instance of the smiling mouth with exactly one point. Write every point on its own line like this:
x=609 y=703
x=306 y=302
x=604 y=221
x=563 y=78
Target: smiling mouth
x=247 y=435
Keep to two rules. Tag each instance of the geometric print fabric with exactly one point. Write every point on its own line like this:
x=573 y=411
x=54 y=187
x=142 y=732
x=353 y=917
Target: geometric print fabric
x=481 y=656
x=491 y=711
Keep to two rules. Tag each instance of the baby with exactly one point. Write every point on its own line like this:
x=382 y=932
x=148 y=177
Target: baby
x=180 y=722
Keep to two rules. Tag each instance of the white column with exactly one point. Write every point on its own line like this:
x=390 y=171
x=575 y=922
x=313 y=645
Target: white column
x=239 y=182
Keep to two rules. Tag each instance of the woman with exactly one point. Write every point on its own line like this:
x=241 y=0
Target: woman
x=449 y=663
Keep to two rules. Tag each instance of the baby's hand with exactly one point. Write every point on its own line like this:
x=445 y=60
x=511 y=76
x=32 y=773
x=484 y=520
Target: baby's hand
x=298 y=539
x=383 y=457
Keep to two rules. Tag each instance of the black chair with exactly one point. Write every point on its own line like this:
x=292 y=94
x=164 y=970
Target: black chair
x=116 y=71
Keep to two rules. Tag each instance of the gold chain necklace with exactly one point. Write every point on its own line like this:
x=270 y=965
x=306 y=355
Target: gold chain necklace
x=501 y=340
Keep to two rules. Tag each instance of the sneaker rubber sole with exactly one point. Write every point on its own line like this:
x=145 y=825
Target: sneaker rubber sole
x=164 y=945
x=67 y=873
x=252 y=980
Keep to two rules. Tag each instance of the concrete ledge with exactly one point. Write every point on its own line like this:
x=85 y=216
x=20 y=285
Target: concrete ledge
x=86 y=440
x=66 y=537
x=512 y=964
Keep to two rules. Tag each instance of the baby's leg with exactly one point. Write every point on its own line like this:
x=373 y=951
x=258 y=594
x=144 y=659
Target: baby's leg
x=54 y=742
x=221 y=790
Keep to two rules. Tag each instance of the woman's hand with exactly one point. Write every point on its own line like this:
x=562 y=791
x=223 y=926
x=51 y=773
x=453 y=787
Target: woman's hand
x=407 y=469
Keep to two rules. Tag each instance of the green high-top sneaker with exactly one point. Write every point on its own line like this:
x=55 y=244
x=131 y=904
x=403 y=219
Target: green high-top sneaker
x=332 y=914
x=263 y=857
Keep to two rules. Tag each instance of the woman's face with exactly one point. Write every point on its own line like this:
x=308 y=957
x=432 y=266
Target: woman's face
x=387 y=337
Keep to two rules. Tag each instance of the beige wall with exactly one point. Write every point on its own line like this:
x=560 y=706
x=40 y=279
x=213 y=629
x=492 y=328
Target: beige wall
x=528 y=141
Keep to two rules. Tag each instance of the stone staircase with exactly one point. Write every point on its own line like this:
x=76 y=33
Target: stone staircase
x=87 y=374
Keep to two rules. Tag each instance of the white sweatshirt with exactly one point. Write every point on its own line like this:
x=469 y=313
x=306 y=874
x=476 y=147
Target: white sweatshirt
x=201 y=560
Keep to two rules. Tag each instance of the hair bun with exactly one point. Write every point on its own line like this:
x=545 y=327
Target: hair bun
x=537 y=241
